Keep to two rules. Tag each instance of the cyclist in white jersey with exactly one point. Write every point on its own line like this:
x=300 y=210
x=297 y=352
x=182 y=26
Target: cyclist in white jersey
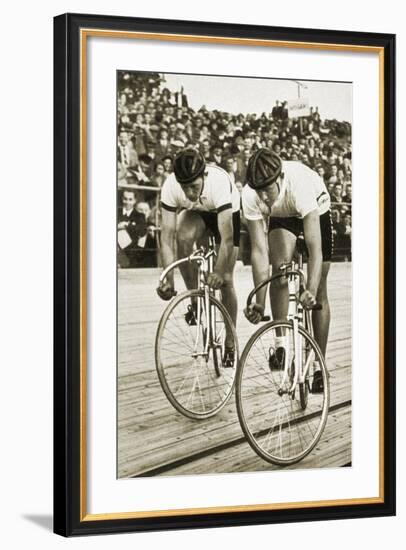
x=289 y=198
x=195 y=199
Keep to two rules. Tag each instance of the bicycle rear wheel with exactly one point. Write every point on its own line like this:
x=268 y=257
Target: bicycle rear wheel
x=275 y=423
x=188 y=357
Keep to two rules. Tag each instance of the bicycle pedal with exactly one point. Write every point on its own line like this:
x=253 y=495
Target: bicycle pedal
x=317 y=384
x=190 y=316
x=228 y=360
x=276 y=358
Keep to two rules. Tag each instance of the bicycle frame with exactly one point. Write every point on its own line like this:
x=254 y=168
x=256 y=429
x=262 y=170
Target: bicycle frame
x=297 y=315
x=205 y=265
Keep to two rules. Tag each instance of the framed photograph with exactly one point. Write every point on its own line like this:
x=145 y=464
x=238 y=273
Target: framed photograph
x=224 y=274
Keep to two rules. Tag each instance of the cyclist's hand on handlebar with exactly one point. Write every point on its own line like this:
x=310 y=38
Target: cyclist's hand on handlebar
x=307 y=299
x=254 y=313
x=214 y=280
x=165 y=291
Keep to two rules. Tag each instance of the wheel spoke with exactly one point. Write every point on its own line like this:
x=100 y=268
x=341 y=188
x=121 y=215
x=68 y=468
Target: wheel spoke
x=278 y=426
x=193 y=383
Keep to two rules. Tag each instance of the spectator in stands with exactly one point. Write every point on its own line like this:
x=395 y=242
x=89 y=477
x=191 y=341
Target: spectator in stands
x=277 y=111
x=167 y=161
x=163 y=146
x=144 y=209
x=154 y=123
x=304 y=157
x=340 y=175
x=127 y=155
x=151 y=153
x=277 y=147
x=148 y=243
x=121 y=174
x=320 y=170
x=337 y=193
x=242 y=164
x=176 y=146
x=159 y=175
x=139 y=140
x=333 y=173
x=344 y=235
x=230 y=168
x=335 y=217
x=347 y=179
x=131 y=228
x=348 y=193
x=347 y=224
x=217 y=155
x=205 y=149
x=344 y=210
x=145 y=168
x=330 y=189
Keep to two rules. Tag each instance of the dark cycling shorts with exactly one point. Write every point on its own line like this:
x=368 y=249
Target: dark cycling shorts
x=295 y=226
x=210 y=221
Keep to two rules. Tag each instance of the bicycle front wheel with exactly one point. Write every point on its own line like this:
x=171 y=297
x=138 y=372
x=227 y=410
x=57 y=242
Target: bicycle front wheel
x=188 y=352
x=281 y=426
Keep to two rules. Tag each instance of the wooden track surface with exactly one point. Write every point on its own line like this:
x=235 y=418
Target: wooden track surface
x=154 y=439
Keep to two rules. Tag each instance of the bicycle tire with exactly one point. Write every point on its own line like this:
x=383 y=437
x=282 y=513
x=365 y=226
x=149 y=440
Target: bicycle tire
x=295 y=431
x=217 y=359
x=305 y=386
x=304 y=393
x=188 y=385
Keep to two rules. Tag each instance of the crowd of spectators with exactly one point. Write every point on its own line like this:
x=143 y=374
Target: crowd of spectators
x=153 y=124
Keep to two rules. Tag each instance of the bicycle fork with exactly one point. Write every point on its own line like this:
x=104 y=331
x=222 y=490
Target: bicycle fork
x=208 y=329
x=295 y=315
x=204 y=307
x=287 y=385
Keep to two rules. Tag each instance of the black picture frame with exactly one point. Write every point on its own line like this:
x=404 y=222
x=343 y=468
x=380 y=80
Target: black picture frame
x=69 y=519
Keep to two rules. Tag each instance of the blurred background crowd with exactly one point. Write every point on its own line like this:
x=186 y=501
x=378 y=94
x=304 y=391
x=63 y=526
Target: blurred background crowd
x=154 y=123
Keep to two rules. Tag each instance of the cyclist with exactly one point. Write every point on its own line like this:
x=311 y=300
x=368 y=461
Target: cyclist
x=291 y=199
x=197 y=198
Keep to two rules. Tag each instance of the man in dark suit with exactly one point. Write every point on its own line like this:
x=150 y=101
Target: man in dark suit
x=131 y=227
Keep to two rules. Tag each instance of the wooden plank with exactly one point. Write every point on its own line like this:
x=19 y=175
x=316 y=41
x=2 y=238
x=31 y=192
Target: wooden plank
x=151 y=432
x=333 y=449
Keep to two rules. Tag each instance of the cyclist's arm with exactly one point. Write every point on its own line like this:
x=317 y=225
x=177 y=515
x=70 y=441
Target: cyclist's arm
x=168 y=229
x=225 y=254
x=259 y=257
x=312 y=235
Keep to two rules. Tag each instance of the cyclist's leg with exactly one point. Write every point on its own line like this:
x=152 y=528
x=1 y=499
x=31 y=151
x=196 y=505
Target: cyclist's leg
x=282 y=245
x=228 y=293
x=321 y=318
x=229 y=296
x=190 y=228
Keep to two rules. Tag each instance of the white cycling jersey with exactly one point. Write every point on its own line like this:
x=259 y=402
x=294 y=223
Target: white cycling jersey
x=302 y=191
x=218 y=193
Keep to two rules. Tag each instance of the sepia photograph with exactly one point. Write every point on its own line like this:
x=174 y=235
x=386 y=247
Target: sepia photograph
x=234 y=274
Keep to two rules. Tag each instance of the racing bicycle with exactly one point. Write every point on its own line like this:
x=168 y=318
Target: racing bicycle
x=282 y=403
x=190 y=344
